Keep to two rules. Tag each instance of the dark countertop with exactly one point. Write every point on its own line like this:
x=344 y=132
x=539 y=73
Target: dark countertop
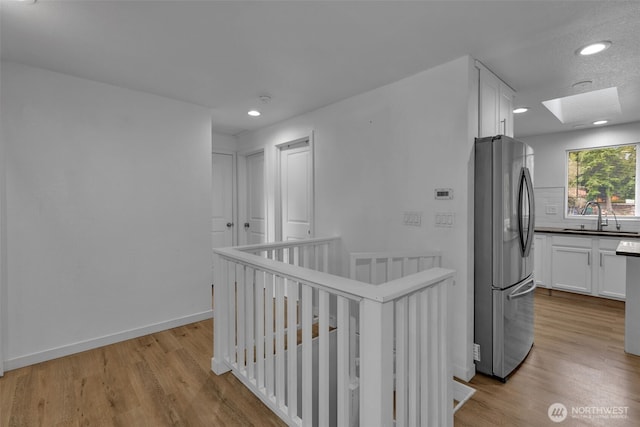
x=628 y=248
x=588 y=232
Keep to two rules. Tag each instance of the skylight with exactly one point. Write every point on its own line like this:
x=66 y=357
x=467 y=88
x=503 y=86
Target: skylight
x=585 y=107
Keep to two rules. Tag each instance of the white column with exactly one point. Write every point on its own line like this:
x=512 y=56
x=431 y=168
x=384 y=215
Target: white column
x=376 y=365
x=220 y=297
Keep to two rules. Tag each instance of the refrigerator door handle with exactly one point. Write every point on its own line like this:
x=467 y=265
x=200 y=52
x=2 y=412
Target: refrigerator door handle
x=516 y=294
x=526 y=184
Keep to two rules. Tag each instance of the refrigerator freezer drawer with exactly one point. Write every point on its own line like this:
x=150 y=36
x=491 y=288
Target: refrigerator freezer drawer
x=513 y=326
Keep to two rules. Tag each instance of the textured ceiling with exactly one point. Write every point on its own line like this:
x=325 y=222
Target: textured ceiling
x=307 y=54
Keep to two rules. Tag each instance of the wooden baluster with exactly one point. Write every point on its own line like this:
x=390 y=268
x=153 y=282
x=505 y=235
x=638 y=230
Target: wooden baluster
x=240 y=319
x=373 y=271
x=405 y=267
x=325 y=258
x=292 y=348
x=280 y=385
x=323 y=359
x=232 y=305
x=344 y=392
x=413 y=364
x=269 y=336
x=259 y=333
x=305 y=257
x=249 y=322
x=402 y=338
x=426 y=359
x=307 y=356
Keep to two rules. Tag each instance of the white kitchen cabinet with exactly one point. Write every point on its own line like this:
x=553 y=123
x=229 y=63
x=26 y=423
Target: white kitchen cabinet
x=586 y=265
x=496 y=104
x=571 y=268
x=612 y=270
x=540 y=261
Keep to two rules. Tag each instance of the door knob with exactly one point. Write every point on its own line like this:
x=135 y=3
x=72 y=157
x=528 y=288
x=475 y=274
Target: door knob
x=246 y=225
x=229 y=224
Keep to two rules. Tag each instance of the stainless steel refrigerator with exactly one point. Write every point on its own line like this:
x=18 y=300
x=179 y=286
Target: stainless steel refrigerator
x=503 y=267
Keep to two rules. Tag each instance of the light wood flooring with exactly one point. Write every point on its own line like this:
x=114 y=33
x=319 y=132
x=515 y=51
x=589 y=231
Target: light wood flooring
x=164 y=379
x=578 y=360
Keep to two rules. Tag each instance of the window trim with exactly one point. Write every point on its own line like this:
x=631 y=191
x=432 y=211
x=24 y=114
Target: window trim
x=566 y=180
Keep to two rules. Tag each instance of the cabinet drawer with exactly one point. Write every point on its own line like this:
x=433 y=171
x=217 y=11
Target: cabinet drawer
x=609 y=244
x=578 y=242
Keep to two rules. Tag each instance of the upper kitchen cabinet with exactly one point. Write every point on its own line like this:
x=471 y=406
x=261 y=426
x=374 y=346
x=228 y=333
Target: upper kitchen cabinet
x=496 y=104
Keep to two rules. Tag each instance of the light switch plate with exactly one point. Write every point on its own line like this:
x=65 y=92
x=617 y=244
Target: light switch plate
x=412 y=219
x=445 y=219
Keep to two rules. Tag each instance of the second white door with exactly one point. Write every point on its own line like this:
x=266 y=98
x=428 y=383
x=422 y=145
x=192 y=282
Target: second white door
x=254 y=227
x=296 y=191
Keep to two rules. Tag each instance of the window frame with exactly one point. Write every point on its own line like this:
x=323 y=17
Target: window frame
x=566 y=180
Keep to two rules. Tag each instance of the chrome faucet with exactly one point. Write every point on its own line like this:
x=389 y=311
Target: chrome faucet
x=618 y=226
x=596 y=204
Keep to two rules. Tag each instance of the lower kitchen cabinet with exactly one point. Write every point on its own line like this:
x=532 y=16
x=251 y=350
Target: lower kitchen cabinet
x=571 y=264
x=612 y=270
x=586 y=265
x=540 y=261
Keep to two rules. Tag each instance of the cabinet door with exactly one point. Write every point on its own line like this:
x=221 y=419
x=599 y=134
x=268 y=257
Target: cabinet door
x=571 y=269
x=539 y=261
x=612 y=274
x=506 y=110
x=489 y=104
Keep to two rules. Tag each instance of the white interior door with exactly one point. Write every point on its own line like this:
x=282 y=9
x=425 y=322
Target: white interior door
x=254 y=227
x=222 y=221
x=296 y=191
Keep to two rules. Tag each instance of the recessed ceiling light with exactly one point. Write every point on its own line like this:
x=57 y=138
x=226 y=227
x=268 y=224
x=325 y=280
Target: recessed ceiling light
x=582 y=84
x=254 y=113
x=600 y=122
x=593 y=48
x=520 y=110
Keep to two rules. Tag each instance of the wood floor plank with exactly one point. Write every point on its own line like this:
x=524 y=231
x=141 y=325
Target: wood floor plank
x=578 y=360
x=165 y=379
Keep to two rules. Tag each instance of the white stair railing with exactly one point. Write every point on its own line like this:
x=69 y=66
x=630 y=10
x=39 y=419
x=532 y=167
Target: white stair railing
x=287 y=332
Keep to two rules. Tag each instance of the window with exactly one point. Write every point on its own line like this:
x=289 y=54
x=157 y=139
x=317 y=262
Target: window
x=606 y=175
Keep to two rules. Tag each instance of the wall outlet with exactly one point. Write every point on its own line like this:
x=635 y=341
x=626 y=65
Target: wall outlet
x=476 y=352
x=551 y=209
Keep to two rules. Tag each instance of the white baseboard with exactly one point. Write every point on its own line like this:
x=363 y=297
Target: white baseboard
x=465 y=373
x=66 y=350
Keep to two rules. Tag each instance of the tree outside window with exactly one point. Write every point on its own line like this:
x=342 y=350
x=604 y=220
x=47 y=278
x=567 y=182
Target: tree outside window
x=606 y=175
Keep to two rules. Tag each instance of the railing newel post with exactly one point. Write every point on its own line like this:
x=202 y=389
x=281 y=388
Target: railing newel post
x=376 y=369
x=220 y=296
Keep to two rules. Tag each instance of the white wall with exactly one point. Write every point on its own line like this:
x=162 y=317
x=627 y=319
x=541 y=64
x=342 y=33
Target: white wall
x=221 y=141
x=384 y=152
x=108 y=213
x=550 y=166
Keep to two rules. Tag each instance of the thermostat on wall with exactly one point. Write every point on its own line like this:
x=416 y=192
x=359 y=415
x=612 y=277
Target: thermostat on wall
x=444 y=193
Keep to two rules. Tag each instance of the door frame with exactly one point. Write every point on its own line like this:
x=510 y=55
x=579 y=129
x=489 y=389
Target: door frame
x=234 y=190
x=306 y=139
x=243 y=191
